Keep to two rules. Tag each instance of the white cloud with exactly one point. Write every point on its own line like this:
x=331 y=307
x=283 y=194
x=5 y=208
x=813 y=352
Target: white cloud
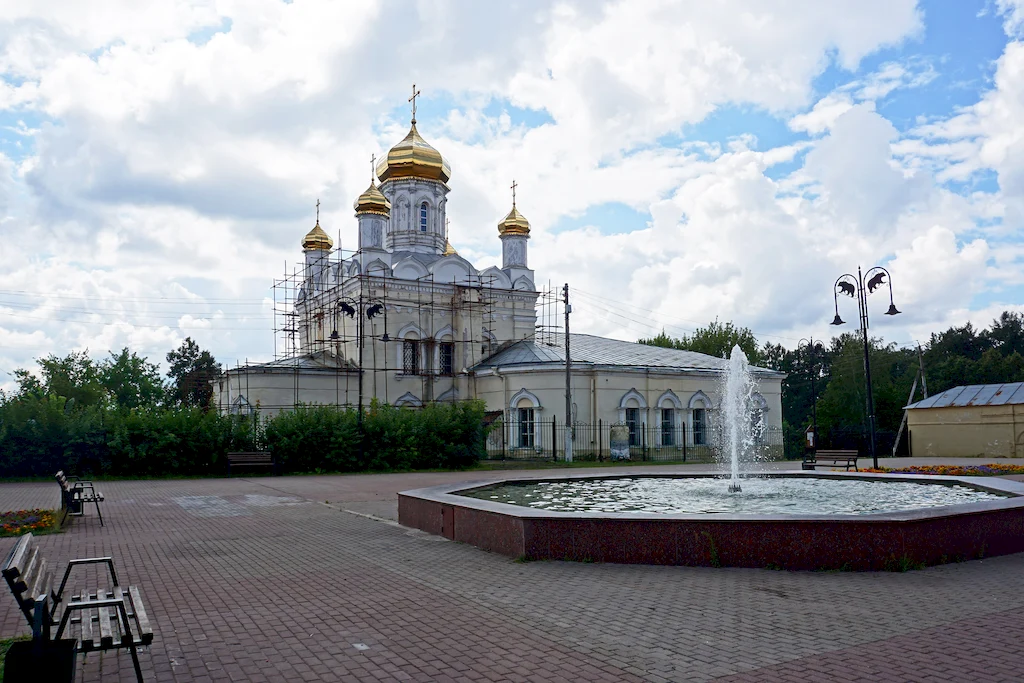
x=1013 y=15
x=188 y=170
x=823 y=114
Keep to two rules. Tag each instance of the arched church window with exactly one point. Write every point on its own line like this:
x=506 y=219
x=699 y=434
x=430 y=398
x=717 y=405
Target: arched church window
x=423 y=217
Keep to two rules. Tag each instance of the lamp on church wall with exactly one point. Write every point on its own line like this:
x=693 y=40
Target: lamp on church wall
x=853 y=286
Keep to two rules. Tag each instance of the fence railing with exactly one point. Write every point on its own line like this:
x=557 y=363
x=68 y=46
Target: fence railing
x=545 y=440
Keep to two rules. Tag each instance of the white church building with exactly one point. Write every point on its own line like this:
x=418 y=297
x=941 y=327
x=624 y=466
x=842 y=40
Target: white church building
x=406 y=320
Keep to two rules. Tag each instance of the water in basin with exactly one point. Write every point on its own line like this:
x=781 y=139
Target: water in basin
x=709 y=495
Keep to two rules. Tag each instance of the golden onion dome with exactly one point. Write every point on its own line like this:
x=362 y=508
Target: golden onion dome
x=317 y=240
x=449 y=250
x=515 y=223
x=414 y=158
x=373 y=201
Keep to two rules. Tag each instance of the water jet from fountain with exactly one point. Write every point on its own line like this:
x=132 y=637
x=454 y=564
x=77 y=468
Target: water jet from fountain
x=738 y=429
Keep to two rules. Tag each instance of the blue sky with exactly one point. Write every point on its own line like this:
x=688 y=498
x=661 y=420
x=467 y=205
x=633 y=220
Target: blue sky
x=680 y=162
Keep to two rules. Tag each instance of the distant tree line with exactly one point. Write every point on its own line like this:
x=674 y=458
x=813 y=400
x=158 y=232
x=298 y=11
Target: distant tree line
x=118 y=416
x=959 y=356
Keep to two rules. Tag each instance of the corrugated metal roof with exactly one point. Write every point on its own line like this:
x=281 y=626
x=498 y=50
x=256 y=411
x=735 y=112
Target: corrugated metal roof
x=320 y=360
x=974 y=395
x=592 y=350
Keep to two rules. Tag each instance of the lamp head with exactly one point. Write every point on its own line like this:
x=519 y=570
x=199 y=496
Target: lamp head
x=892 y=310
x=837 y=320
x=334 y=335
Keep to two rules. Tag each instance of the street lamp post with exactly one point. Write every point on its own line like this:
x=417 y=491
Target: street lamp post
x=367 y=309
x=854 y=286
x=812 y=349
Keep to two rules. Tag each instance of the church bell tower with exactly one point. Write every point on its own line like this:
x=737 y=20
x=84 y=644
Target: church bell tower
x=413 y=177
x=514 y=232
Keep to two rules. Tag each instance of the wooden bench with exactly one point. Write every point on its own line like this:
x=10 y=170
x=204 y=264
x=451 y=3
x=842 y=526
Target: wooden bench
x=834 y=458
x=103 y=619
x=251 y=459
x=75 y=493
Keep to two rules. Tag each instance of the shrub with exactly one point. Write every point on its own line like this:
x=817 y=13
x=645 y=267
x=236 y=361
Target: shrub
x=40 y=435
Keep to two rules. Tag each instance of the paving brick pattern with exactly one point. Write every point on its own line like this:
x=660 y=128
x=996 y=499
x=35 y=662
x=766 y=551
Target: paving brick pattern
x=270 y=579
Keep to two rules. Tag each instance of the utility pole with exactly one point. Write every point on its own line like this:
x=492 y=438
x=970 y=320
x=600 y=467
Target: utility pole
x=568 y=379
x=920 y=365
x=359 y=334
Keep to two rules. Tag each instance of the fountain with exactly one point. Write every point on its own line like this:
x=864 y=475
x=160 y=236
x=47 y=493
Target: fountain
x=738 y=429
x=789 y=518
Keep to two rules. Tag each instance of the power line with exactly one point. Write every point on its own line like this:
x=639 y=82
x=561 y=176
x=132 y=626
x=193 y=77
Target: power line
x=623 y=306
x=212 y=315
x=48 y=295
x=115 y=322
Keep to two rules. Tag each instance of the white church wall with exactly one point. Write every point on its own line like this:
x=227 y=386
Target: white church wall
x=273 y=392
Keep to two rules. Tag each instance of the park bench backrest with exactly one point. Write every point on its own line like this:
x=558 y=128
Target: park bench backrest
x=27 y=575
x=255 y=457
x=65 y=489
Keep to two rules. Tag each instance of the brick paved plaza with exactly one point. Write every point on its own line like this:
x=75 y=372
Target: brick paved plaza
x=309 y=578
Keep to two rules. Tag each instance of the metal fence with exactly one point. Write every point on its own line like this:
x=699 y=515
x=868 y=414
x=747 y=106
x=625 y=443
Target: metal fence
x=545 y=440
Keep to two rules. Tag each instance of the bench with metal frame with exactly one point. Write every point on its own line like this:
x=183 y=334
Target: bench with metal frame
x=75 y=493
x=252 y=459
x=847 y=458
x=105 y=619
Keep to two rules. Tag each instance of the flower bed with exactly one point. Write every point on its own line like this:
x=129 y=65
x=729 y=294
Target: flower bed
x=17 y=522
x=989 y=470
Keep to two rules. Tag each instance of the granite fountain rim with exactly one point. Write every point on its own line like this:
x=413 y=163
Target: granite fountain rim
x=449 y=494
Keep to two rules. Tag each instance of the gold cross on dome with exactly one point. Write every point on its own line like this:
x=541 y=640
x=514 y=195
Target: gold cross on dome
x=514 y=186
x=318 y=211
x=373 y=166
x=415 y=94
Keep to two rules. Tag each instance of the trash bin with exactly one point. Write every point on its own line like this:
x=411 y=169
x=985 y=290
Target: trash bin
x=34 y=661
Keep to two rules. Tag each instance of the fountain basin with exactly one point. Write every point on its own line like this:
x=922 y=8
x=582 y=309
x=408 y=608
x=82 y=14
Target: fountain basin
x=791 y=541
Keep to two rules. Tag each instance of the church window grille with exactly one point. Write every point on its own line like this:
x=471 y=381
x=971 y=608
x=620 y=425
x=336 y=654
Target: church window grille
x=410 y=357
x=447 y=358
x=423 y=217
x=700 y=427
x=526 y=428
x=668 y=427
x=633 y=421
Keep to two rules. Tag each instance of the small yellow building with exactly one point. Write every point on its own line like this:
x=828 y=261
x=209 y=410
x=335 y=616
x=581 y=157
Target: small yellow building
x=980 y=420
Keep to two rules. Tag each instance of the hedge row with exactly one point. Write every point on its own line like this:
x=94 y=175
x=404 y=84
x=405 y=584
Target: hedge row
x=40 y=436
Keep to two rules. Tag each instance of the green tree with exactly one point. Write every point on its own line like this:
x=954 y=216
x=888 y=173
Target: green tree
x=1007 y=333
x=951 y=356
x=717 y=339
x=842 y=406
x=74 y=377
x=130 y=380
x=192 y=371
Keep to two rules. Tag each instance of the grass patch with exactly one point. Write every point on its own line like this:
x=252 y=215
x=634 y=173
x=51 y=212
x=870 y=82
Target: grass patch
x=716 y=561
x=904 y=563
x=39 y=522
